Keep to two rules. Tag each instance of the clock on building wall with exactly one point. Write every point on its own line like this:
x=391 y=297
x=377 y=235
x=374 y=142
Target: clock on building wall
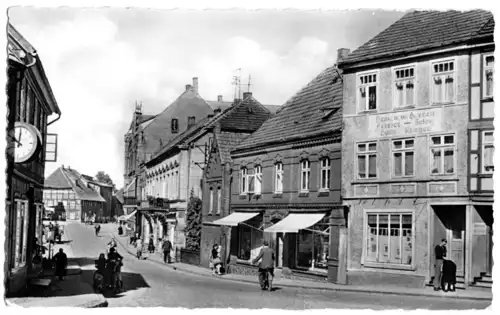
x=27 y=142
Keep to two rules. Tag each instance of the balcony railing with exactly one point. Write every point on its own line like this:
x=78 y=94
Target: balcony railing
x=151 y=202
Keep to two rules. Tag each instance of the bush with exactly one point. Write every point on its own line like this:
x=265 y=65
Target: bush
x=193 y=223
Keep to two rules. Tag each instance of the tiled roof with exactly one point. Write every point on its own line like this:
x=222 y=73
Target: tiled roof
x=246 y=116
x=315 y=109
x=57 y=180
x=226 y=141
x=421 y=30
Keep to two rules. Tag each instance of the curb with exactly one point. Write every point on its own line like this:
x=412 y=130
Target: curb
x=346 y=289
x=94 y=304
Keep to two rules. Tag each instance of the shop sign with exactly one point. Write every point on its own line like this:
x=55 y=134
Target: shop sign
x=416 y=122
x=480 y=229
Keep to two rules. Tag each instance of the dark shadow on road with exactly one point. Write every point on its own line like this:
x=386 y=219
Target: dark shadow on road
x=65 y=242
x=276 y=289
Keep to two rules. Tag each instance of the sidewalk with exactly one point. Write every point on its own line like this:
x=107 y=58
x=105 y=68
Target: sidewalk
x=312 y=285
x=71 y=292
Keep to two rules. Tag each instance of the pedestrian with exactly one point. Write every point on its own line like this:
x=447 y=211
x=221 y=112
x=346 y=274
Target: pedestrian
x=215 y=261
x=151 y=246
x=167 y=248
x=61 y=261
x=138 y=245
x=440 y=252
x=266 y=266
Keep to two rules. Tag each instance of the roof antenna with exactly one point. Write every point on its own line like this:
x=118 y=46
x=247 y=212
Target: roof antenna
x=249 y=84
x=237 y=85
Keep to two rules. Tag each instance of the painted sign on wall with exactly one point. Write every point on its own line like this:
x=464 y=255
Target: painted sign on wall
x=415 y=122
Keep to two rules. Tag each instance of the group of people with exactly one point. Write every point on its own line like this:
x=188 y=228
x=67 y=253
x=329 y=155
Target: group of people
x=445 y=273
x=166 y=247
x=110 y=268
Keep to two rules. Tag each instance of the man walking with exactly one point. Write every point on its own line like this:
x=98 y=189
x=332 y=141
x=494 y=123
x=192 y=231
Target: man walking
x=167 y=248
x=266 y=265
x=440 y=252
x=61 y=261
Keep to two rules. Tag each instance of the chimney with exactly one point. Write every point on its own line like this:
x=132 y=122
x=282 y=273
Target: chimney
x=195 y=84
x=342 y=53
x=219 y=98
x=188 y=87
x=246 y=94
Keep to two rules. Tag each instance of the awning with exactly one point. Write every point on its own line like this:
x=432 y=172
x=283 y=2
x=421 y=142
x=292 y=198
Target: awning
x=295 y=222
x=235 y=218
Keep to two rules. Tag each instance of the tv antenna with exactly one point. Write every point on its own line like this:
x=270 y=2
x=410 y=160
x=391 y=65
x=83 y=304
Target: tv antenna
x=237 y=84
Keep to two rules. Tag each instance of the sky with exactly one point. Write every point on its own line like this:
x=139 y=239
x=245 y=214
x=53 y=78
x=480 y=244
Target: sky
x=99 y=62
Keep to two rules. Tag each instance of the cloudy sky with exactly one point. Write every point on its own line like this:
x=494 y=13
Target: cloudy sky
x=100 y=61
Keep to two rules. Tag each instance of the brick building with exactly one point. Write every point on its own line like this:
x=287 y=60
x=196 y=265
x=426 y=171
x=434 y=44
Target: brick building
x=30 y=102
x=409 y=103
x=285 y=185
x=225 y=131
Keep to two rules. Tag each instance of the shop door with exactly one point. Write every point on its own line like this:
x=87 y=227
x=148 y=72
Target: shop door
x=456 y=242
x=279 y=250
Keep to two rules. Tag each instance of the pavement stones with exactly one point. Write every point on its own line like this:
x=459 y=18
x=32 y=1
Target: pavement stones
x=469 y=294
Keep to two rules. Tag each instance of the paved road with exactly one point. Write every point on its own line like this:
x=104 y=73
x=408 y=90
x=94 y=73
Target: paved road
x=150 y=284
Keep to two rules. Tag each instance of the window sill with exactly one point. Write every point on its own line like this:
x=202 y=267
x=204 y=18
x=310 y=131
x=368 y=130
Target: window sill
x=443 y=175
x=323 y=193
x=242 y=197
x=256 y=196
x=487 y=99
x=443 y=103
x=278 y=195
x=367 y=179
x=304 y=194
x=369 y=111
x=485 y=175
x=403 y=108
x=388 y=266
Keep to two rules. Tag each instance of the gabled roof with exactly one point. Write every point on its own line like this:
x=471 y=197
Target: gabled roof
x=144 y=121
x=423 y=30
x=65 y=178
x=219 y=105
x=119 y=196
x=316 y=109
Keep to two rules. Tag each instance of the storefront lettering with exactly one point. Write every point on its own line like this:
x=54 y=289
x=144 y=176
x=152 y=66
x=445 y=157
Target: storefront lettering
x=406 y=123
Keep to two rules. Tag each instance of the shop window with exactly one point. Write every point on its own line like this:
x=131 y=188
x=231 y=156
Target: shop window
x=313 y=246
x=443 y=82
x=403 y=157
x=442 y=155
x=488 y=152
x=305 y=175
x=325 y=174
x=250 y=240
x=278 y=179
x=389 y=238
x=404 y=87
x=367 y=93
x=21 y=230
x=367 y=160
x=258 y=180
x=488 y=74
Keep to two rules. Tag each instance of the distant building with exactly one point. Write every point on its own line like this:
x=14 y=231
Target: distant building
x=30 y=103
x=81 y=196
x=417 y=149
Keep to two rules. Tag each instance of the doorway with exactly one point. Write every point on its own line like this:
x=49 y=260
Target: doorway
x=279 y=249
x=449 y=224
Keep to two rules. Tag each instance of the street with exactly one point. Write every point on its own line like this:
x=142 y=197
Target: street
x=148 y=284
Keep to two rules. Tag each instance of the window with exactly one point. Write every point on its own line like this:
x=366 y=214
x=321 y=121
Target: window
x=443 y=82
x=258 y=180
x=175 y=125
x=21 y=113
x=325 y=173
x=403 y=157
x=191 y=121
x=389 y=238
x=313 y=246
x=219 y=200
x=72 y=204
x=243 y=180
x=211 y=205
x=488 y=74
x=367 y=97
x=250 y=239
x=278 y=180
x=21 y=230
x=60 y=195
x=488 y=152
x=443 y=155
x=404 y=87
x=78 y=202
x=65 y=194
x=305 y=175
x=367 y=160
x=32 y=104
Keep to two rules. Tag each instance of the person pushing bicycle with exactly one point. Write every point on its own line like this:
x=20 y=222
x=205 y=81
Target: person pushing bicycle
x=266 y=266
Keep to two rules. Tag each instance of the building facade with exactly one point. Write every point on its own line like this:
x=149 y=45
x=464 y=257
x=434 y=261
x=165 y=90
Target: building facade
x=408 y=120
x=79 y=196
x=225 y=131
x=285 y=186
x=30 y=103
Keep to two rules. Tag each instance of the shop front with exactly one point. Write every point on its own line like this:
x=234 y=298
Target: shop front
x=301 y=241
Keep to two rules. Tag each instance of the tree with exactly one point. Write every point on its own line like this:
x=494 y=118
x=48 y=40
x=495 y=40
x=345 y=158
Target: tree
x=193 y=222
x=105 y=178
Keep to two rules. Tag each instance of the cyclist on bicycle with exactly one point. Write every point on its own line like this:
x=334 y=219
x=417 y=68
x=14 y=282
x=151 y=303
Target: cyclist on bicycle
x=266 y=266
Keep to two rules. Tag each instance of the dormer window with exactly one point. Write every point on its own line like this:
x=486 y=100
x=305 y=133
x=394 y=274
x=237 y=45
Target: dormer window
x=175 y=125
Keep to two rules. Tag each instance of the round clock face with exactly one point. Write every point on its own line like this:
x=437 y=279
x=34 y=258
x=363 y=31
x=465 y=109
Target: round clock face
x=25 y=142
